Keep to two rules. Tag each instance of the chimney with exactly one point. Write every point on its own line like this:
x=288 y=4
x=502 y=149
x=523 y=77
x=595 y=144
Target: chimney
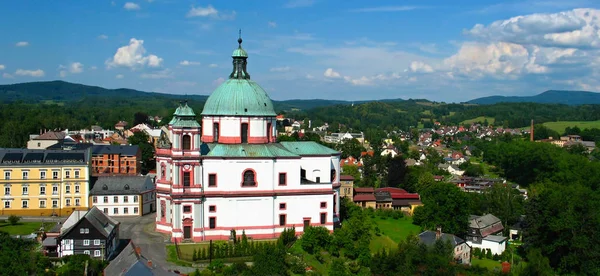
x=438 y=232
x=138 y=250
x=150 y=263
x=531 y=132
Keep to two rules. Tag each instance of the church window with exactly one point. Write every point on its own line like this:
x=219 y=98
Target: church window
x=332 y=175
x=163 y=171
x=212 y=180
x=249 y=178
x=282 y=179
x=187 y=142
x=215 y=132
x=186 y=179
x=269 y=130
x=244 y=132
x=212 y=222
x=282 y=220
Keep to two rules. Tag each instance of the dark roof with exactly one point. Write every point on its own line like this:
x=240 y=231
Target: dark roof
x=487 y=224
x=132 y=263
x=114 y=149
x=405 y=202
x=121 y=185
x=103 y=223
x=383 y=196
x=51 y=135
x=36 y=156
x=429 y=238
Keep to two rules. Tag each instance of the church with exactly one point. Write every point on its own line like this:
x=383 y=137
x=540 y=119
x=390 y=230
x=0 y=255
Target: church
x=230 y=173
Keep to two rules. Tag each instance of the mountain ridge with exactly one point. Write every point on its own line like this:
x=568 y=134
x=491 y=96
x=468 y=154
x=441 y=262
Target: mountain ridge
x=567 y=97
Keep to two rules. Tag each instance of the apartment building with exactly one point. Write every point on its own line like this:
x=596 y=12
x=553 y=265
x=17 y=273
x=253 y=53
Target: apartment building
x=113 y=159
x=44 y=182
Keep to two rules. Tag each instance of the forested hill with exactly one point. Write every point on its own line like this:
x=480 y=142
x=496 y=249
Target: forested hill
x=65 y=92
x=550 y=96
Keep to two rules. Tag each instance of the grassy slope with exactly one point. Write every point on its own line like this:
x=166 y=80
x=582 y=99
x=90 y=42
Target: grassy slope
x=561 y=125
x=489 y=264
x=397 y=229
x=24 y=228
x=479 y=119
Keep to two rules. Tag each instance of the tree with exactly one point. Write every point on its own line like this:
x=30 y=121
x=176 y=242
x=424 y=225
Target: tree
x=315 y=239
x=563 y=222
x=140 y=118
x=13 y=220
x=578 y=149
x=396 y=169
x=338 y=268
x=353 y=171
x=504 y=202
x=537 y=264
x=141 y=139
x=444 y=205
x=351 y=147
x=269 y=260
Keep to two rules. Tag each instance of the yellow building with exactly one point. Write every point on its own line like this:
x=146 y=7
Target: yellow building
x=44 y=182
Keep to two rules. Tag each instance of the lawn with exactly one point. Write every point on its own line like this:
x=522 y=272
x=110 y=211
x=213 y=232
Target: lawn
x=489 y=264
x=187 y=249
x=487 y=168
x=397 y=229
x=24 y=228
x=479 y=119
x=561 y=125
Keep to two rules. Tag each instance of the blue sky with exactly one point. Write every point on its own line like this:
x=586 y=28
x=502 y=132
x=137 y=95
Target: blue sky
x=302 y=49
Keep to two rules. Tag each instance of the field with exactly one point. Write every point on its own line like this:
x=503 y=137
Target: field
x=392 y=232
x=561 y=125
x=479 y=119
x=24 y=228
x=489 y=264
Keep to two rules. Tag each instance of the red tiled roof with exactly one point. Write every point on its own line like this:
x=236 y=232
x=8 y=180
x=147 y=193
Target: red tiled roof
x=346 y=177
x=392 y=190
x=364 y=197
x=364 y=190
x=367 y=152
x=52 y=135
x=398 y=193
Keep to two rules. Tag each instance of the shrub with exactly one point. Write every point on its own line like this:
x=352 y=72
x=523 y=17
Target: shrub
x=477 y=252
x=377 y=231
x=13 y=220
x=315 y=238
x=287 y=236
x=397 y=215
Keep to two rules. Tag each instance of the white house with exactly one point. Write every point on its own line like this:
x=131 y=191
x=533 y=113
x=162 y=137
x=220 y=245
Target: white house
x=482 y=233
x=232 y=174
x=124 y=195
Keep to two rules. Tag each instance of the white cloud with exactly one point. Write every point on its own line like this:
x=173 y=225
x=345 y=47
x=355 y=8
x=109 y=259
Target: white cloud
x=31 y=73
x=162 y=74
x=218 y=81
x=213 y=65
x=102 y=36
x=420 y=67
x=386 y=9
x=188 y=63
x=130 y=6
x=578 y=28
x=329 y=73
x=272 y=24
x=280 y=69
x=75 y=68
x=93 y=68
x=133 y=56
x=299 y=4
x=7 y=76
x=210 y=11
x=22 y=44
x=2 y=67
x=119 y=76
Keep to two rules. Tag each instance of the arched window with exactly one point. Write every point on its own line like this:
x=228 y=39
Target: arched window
x=249 y=178
x=269 y=132
x=163 y=171
x=215 y=132
x=187 y=142
x=126 y=187
x=244 y=132
x=105 y=187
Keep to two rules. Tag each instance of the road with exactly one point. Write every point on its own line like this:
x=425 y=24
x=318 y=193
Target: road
x=152 y=244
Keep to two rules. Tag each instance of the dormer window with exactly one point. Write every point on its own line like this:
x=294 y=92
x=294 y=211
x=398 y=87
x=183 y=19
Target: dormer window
x=126 y=187
x=105 y=187
x=249 y=179
x=186 y=142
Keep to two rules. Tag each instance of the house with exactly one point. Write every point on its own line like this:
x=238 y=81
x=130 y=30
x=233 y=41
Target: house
x=482 y=230
x=402 y=200
x=451 y=169
x=124 y=195
x=365 y=197
x=389 y=150
x=46 y=139
x=44 y=182
x=121 y=125
x=462 y=251
x=88 y=232
x=383 y=200
x=114 y=159
x=347 y=185
x=131 y=262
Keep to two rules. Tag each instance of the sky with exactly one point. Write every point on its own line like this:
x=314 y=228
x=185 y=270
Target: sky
x=450 y=51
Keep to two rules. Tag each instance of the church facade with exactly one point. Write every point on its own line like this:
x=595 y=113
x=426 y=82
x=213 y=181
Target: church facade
x=230 y=173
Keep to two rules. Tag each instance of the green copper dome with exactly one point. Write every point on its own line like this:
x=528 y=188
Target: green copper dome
x=184 y=116
x=239 y=96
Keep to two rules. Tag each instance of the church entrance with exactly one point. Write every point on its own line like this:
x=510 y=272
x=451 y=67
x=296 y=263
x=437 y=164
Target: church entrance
x=187 y=232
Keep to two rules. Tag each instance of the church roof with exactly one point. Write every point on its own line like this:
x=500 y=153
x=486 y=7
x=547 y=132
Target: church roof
x=308 y=148
x=184 y=116
x=249 y=150
x=239 y=96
